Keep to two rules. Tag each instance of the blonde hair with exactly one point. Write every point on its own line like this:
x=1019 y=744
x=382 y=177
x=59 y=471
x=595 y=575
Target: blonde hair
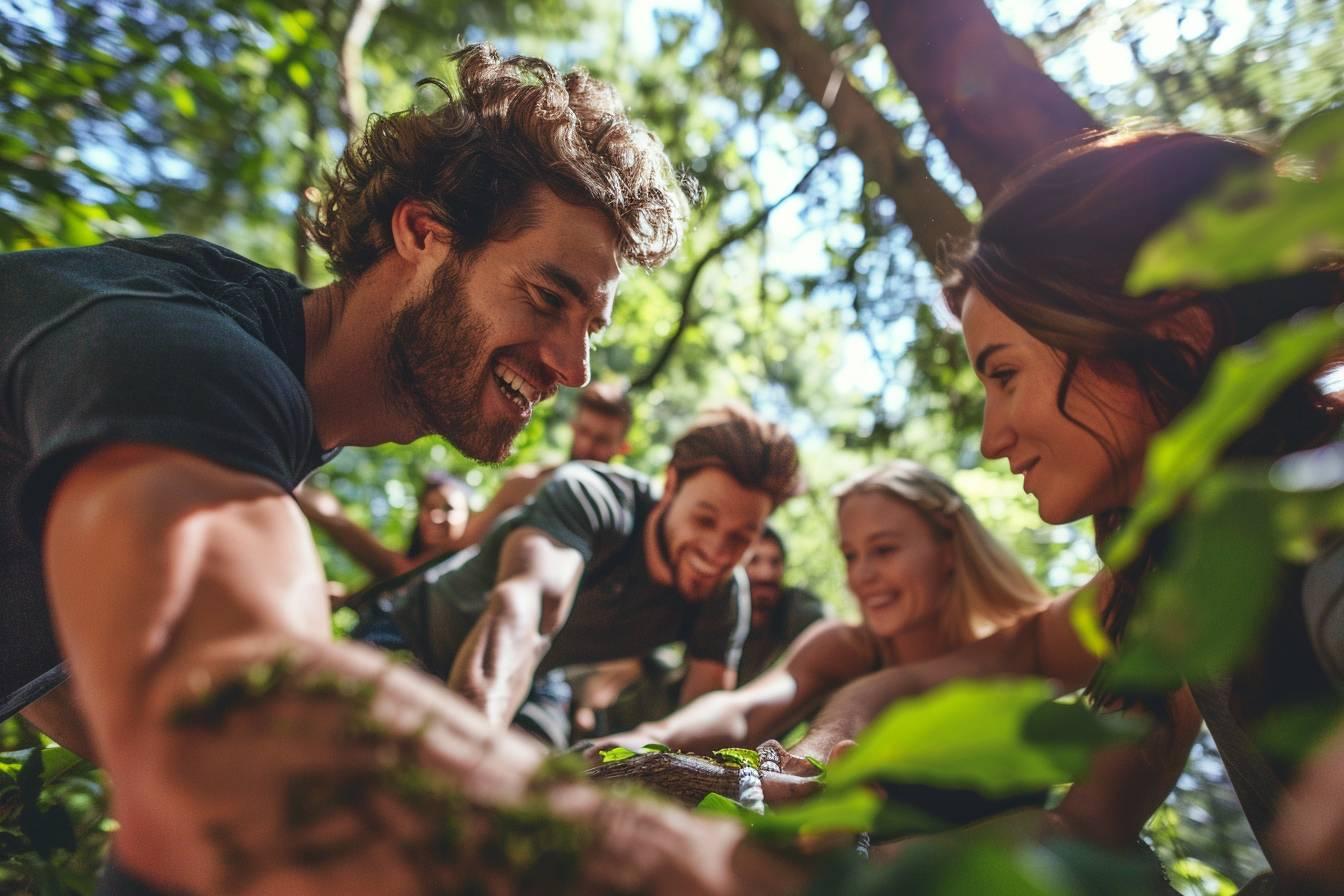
x=989 y=587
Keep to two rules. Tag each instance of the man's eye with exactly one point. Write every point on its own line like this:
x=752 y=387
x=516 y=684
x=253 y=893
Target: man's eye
x=1002 y=376
x=550 y=299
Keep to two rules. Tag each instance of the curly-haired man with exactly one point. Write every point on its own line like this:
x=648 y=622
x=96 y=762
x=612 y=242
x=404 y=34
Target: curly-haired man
x=162 y=399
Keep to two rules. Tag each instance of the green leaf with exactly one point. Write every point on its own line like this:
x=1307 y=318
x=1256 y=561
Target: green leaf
x=980 y=735
x=655 y=748
x=1291 y=733
x=298 y=73
x=1086 y=622
x=852 y=811
x=816 y=763
x=1204 y=609
x=1243 y=383
x=739 y=756
x=182 y=100
x=1270 y=222
x=617 y=754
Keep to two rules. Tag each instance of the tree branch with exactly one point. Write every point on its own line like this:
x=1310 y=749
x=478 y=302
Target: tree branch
x=900 y=173
x=741 y=231
x=354 y=98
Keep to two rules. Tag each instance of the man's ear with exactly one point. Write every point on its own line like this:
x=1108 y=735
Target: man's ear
x=670 y=483
x=623 y=449
x=416 y=234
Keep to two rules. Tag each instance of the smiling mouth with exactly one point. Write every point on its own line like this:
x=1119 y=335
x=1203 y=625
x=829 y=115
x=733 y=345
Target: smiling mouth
x=1027 y=467
x=517 y=389
x=879 y=602
x=701 y=568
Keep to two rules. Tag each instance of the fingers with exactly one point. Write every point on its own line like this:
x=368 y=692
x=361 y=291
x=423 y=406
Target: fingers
x=782 y=788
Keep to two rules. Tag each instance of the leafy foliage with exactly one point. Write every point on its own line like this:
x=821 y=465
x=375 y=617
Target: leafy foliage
x=1279 y=219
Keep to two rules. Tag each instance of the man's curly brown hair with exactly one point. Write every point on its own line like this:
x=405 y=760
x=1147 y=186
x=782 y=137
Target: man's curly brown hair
x=511 y=125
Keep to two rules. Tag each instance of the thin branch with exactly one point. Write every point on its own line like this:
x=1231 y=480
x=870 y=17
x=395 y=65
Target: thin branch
x=354 y=98
x=739 y=232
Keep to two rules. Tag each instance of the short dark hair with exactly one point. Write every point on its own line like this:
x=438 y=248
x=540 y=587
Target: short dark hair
x=759 y=454
x=608 y=400
x=509 y=126
x=770 y=533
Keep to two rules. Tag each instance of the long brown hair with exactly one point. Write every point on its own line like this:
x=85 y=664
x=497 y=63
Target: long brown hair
x=1052 y=253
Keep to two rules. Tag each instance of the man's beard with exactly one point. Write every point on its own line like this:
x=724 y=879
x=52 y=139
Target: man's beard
x=438 y=367
x=665 y=552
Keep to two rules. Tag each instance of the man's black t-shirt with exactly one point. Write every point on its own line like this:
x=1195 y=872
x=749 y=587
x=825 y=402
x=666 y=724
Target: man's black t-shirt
x=618 y=610
x=796 y=610
x=170 y=341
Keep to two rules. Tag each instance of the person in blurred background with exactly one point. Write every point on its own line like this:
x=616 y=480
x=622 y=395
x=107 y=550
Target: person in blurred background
x=443 y=512
x=928 y=579
x=598 y=566
x=618 y=695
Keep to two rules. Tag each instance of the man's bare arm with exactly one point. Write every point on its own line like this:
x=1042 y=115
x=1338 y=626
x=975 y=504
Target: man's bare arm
x=533 y=593
x=248 y=752
x=705 y=676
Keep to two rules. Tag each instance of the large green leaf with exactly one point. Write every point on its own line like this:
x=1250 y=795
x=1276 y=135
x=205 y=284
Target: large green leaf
x=998 y=737
x=1204 y=609
x=1243 y=383
x=832 y=811
x=1270 y=222
x=985 y=865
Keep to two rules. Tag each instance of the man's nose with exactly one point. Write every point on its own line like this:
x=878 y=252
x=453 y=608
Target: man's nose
x=566 y=354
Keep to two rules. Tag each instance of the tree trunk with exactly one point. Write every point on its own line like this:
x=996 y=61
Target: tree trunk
x=923 y=205
x=981 y=89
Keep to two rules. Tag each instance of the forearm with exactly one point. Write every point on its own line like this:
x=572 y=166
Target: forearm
x=354 y=767
x=367 y=550
x=855 y=706
x=494 y=669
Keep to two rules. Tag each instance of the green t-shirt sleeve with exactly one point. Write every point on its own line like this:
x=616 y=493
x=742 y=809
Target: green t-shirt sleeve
x=582 y=509
x=720 y=628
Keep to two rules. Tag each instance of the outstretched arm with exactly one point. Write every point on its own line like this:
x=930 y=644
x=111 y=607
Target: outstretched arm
x=515 y=489
x=188 y=598
x=1042 y=644
x=531 y=600
x=824 y=656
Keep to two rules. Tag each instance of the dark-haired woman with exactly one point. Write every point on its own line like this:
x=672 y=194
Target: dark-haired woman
x=442 y=514
x=1078 y=378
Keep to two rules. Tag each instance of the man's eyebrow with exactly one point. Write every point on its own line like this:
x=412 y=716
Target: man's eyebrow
x=567 y=282
x=983 y=358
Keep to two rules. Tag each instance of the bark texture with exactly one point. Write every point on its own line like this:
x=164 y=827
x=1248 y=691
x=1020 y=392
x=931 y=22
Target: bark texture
x=929 y=212
x=981 y=89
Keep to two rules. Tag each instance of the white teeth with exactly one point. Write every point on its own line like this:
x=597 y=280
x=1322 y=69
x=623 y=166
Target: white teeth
x=518 y=384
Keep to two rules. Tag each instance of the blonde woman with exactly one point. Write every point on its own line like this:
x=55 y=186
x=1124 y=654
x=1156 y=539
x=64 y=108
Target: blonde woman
x=929 y=579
